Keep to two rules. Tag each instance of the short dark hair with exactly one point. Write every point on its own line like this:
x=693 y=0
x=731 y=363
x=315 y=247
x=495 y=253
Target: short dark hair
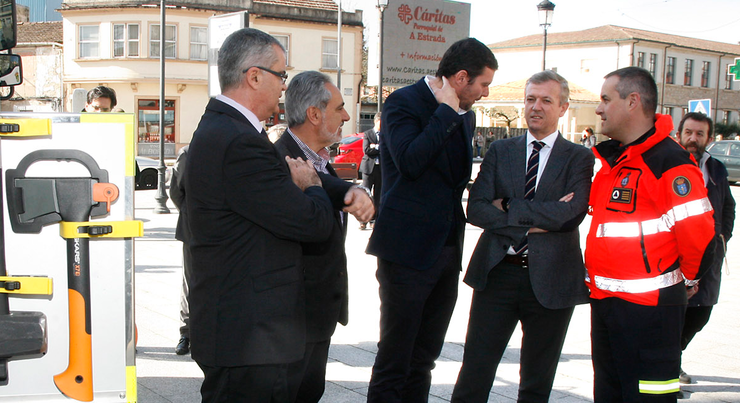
x=467 y=54
x=589 y=130
x=639 y=80
x=699 y=117
x=102 y=91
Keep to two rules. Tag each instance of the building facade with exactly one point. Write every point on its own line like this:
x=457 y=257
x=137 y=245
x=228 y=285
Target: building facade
x=116 y=43
x=684 y=68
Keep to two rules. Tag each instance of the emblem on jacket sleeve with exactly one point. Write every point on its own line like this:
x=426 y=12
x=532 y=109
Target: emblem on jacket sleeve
x=681 y=186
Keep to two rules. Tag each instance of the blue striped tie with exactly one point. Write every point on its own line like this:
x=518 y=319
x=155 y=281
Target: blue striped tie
x=532 y=167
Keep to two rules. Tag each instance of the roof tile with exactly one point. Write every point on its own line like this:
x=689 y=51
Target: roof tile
x=40 y=32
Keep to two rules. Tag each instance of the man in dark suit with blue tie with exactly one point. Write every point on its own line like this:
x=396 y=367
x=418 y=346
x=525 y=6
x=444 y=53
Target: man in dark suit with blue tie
x=530 y=196
x=315 y=112
x=426 y=158
x=248 y=213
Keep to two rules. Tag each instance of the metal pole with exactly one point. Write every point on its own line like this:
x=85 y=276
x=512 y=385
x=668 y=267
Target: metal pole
x=161 y=198
x=544 y=49
x=339 y=46
x=380 y=62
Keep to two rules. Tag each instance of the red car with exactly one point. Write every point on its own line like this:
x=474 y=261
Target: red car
x=350 y=150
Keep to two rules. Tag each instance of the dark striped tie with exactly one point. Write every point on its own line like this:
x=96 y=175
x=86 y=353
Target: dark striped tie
x=531 y=178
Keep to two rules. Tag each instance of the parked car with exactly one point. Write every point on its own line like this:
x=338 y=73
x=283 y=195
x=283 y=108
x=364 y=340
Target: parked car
x=350 y=150
x=147 y=175
x=727 y=151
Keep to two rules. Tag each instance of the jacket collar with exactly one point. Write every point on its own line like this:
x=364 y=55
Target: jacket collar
x=611 y=151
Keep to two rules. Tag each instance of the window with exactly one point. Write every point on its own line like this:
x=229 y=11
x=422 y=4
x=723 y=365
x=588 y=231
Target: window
x=285 y=41
x=641 y=59
x=198 y=43
x=148 y=111
x=125 y=40
x=329 y=56
x=670 y=70
x=728 y=79
x=734 y=150
x=726 y=117
x=170 y=38
x=653 y=64
x=705 y=74
x=587 y=65
x=89 y=41
x=688 y=71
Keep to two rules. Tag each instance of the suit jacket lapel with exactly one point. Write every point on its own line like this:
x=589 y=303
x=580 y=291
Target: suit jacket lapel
x=555 y=164
x=518 y=165
x=469 y=121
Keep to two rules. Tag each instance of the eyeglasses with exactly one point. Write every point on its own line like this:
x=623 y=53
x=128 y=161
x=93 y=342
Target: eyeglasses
x=283 y=75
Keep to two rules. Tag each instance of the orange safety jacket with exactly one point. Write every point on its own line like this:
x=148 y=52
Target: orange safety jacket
x=651 y=221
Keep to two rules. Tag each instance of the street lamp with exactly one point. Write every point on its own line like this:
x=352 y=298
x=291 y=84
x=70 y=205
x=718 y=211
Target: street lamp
x=382 y=4
x=545 y=9
x=161 y=197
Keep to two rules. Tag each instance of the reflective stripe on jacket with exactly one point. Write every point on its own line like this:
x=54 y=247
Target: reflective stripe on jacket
x=651 y=220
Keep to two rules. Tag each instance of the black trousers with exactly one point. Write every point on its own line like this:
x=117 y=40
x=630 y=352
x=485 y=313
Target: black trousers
x=307 y=377
x=494 y=313
x=696 y=318
x=187 y=268
x=415 y=310
x=636 y=351
x=247 y=384
x=374 y=182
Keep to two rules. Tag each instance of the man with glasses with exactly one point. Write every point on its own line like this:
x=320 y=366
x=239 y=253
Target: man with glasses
x=100 y=99
x=248 y=213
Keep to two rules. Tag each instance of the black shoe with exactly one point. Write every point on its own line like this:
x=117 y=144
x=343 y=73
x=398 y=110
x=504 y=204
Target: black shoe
x=680 y=395
x=183 y=346
x=684 y=378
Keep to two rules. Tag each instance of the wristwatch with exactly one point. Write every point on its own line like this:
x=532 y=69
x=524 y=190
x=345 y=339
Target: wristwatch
x=369 y=194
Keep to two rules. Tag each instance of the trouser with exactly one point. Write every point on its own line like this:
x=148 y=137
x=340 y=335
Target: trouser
x=415 y=310
x=247 y=384
x=696 y=318
x=307 y=377
x=494 y=313
x=185 y=292
x=635 y=350
x=374 y=182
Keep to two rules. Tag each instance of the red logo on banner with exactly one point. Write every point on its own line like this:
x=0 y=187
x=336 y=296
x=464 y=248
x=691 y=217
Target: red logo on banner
x=404 y=13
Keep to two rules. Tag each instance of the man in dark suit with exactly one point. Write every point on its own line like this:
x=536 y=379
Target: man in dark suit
x=248 y=212
x=530 y=196
x=182 y=234
x=370 y=165
x=695 y=133
x=315 y=112
x=426 y=157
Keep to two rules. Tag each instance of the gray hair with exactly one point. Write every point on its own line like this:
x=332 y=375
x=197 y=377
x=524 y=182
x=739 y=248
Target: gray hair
x=242 y=49
x=549 y=75
x=307 y=89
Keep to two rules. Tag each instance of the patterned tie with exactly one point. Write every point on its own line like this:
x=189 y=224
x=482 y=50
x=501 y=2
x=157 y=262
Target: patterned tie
x=532 y=166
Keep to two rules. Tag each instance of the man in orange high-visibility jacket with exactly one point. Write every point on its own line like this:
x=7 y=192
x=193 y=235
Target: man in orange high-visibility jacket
x=650 y=232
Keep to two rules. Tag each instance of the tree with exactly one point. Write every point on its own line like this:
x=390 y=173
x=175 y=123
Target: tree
x=508 y=114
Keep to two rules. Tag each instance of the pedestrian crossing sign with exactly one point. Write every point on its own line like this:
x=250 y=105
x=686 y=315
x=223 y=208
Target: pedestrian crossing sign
x=701 y=105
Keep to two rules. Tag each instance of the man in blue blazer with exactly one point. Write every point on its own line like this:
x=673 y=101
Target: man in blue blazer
x=426 y=158
x=248 y=213
x=530 y=196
